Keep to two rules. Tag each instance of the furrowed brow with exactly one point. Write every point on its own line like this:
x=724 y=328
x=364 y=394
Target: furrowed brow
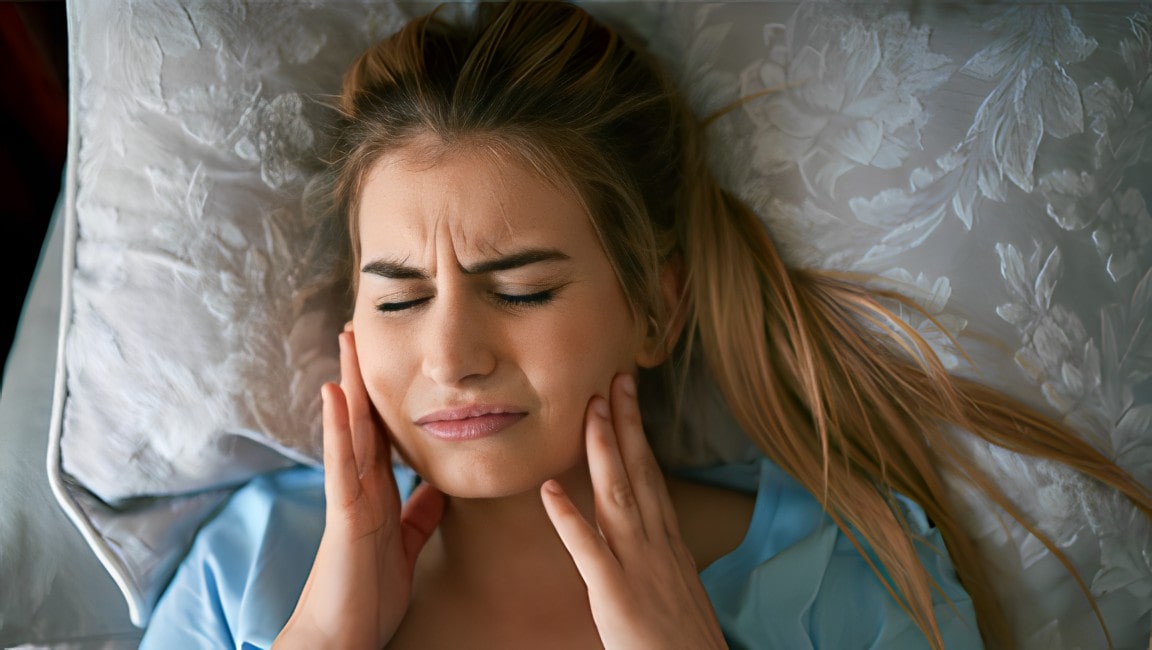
x=515 y=261
x=399 y=271
x=393 y=270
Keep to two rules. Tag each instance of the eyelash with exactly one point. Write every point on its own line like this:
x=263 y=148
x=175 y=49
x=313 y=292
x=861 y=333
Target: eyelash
x=388 y=307
x=518 y=301
x=527 y=299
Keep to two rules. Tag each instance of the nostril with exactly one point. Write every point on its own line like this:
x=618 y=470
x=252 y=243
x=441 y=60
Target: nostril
x=458 y=348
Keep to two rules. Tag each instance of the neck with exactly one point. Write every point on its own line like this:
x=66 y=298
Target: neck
x=490 y=542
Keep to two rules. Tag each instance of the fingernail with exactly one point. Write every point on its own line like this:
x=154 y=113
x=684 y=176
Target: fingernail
x=600 y=405
x=551 y=486
x=628 y=385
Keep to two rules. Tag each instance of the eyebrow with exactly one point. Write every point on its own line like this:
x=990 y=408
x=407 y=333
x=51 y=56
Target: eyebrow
x=400 y=271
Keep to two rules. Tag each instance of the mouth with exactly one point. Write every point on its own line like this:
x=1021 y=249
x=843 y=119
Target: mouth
x=470 y=422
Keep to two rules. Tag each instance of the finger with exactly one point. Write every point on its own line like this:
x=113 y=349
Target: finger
x=644 y=473
x=368 y=442
x=419 y=519
x=617 y=511
x=341 y=483
x=594 y=560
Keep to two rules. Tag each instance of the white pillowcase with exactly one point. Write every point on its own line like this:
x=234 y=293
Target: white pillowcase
x=197 y=326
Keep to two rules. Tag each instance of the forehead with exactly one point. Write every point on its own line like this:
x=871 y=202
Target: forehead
x=477 y=196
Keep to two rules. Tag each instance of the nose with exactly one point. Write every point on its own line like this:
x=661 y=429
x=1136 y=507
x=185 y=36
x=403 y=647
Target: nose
x=458 y=348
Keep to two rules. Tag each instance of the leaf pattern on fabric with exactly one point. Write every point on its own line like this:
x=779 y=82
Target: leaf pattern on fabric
x=1033 y=96
x=1093 y=386
x=845 y=93
x=1056 y=351
x=939 y=328
x=1103 y=197
x=1052 y=132
x=201 y=326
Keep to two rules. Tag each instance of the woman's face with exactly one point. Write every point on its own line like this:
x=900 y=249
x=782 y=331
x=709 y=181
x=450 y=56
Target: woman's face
x=487 y=315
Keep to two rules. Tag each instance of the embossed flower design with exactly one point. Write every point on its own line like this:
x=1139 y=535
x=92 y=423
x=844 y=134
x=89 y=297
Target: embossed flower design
x=844 y=94
x=1124 y=234
x=938 y=328
x=277 y=135
x=1057 y=351
x=1123 y=225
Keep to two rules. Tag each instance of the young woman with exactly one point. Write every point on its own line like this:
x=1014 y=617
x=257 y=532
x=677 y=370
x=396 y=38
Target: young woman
x=532 y=223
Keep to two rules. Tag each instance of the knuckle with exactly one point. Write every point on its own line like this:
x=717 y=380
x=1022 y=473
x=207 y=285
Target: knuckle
x=629 y=419
x=648 y=476
x=622 y=497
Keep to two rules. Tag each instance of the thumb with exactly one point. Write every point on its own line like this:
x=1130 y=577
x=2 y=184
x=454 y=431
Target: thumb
x=419 y=518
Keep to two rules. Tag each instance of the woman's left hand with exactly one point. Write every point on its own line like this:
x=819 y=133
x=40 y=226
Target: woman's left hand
x=642 y=581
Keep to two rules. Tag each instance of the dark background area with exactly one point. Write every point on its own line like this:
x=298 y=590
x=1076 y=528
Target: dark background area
x=34 y=128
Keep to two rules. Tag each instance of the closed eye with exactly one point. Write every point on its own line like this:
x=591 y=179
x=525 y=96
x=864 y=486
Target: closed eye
x=518 y=300
x=526 y=299
x=402 y=305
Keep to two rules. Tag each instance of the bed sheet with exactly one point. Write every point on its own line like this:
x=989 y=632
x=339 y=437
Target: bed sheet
x=53 y=591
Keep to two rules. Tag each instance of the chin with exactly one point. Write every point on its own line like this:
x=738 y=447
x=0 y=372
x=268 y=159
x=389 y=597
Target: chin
x=493 y=478
x=467 y=486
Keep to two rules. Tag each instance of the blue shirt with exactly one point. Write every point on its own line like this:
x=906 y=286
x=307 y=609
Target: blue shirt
x=794 y=582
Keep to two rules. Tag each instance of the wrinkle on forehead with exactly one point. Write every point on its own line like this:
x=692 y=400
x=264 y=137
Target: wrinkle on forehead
x=449 y=225
x=456 y=236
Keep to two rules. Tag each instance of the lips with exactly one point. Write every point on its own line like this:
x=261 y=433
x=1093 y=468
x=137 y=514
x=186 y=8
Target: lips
x=470 y=422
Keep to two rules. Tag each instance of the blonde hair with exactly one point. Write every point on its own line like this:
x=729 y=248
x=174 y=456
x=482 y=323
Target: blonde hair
x=826 y=380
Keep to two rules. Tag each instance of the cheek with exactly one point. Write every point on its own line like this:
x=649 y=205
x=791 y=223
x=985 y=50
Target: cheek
x=576 y=357
x=386 y=370
x=384 y=365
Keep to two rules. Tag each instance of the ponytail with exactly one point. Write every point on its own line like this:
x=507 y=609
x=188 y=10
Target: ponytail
x=852 y=402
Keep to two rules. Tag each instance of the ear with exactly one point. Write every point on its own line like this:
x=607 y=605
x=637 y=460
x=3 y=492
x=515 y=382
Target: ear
x=660 y=338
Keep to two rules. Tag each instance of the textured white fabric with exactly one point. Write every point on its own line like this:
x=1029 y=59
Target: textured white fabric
x=991 y=160
x=197 y=330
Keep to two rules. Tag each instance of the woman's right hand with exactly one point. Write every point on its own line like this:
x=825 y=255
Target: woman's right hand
x=361 y=581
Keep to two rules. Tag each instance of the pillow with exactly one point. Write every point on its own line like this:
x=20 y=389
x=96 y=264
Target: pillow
x=989 y=160
x=197 y=327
